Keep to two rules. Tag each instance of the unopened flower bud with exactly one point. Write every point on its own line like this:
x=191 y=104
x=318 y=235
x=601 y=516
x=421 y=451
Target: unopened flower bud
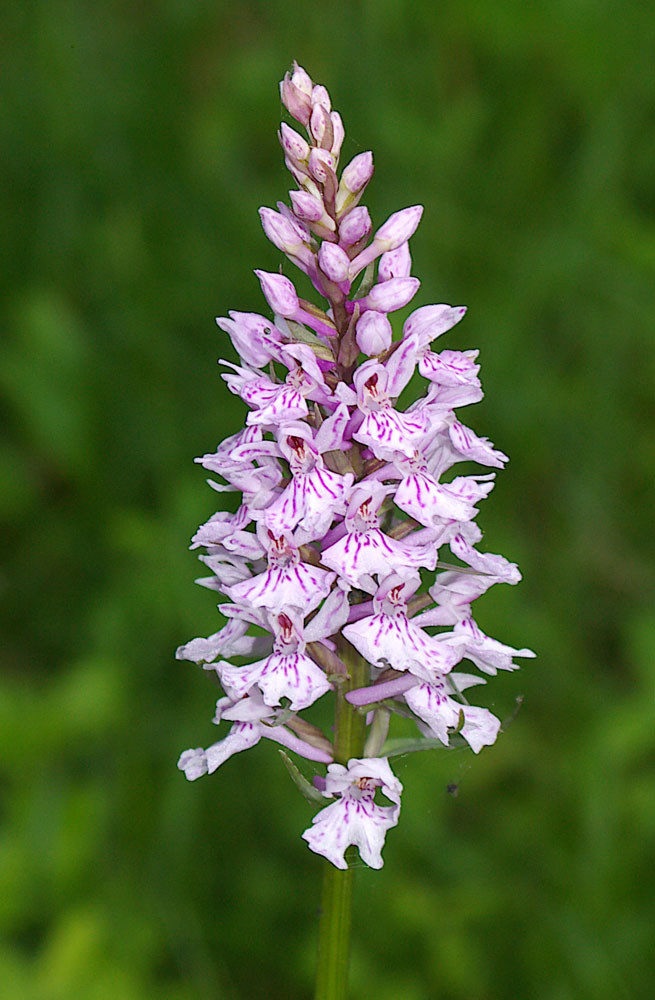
x=301 y=79
x=296 y=91
x=354 y=179
x=321 y=165
x=334 y=262
x=358 y=173
x=338 y=133
x=321 y=96
x=307 y=206
x=279 y=293
x=395 y=263
x=373 y=332
x=320 y=126
x=398 y=228
x=281 y=232
x=392 y=294
x=355 y=227
x=293 y=144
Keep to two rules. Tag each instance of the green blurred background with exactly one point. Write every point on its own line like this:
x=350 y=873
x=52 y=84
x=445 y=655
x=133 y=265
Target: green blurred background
x=138 y=142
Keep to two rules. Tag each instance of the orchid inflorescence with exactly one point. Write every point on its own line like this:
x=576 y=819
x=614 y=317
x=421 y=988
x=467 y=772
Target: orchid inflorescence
x=343 y=509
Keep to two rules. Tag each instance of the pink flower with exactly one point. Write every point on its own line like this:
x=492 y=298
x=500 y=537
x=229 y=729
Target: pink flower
x=352 y=557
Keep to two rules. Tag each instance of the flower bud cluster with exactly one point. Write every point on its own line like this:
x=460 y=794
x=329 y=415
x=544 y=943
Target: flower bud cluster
x=347 y=501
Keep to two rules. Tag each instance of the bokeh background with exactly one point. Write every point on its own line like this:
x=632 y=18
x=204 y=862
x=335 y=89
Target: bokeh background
x=138 y=142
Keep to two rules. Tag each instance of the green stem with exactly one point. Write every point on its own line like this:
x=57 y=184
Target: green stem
x=334 y=928
x=334 y=934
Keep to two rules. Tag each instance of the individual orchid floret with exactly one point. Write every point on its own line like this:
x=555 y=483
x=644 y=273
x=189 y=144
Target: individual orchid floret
x=355 y=227
x=273 y=403
x=283 y=299
x=338 y=133
x=335 y=263
x=365 y=551
x=475 y=448
x=354 y=179
x=254 y=338
x=322 y=166
x=228 y=531
x=279 y=293
x=231 y=640
x=277 y=403
x=315 y=494
x=433 y=703
x=486 y=653
x=296 y=93
x=450 y=368
x=287 y=237
x=395 y=263
x=356 y=818
x=497 y=566
x=383 y=429
x=223 y=458
x=389 y=637
x=287 y=673
x=432 y=503
x=320 y=126
x=310 y=208
x=429 y=322
x=395 y=232
x=287 y=582
x=387 y=296
x=373 y=333
x=295 y=147
x=253 y=720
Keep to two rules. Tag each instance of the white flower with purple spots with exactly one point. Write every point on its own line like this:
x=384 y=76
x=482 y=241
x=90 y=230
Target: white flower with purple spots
x=365 y=551
x=432 y=503
x=389 y=637
x=253 y=720
x=287 y=582
x=315 y=494
x=356 y=818
x=351 y=564
x=383 y=429
x=433 y=703
x=287 y=673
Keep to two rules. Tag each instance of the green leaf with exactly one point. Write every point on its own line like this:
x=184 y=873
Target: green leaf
x=310 y=793
x=394 y=748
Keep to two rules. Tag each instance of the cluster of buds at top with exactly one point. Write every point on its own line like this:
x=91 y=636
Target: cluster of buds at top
x=332 y=558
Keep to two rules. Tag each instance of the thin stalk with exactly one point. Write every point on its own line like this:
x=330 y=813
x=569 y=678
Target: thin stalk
x=336 y=903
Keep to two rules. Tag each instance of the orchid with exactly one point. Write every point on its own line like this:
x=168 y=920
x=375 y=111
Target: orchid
x=333 y=562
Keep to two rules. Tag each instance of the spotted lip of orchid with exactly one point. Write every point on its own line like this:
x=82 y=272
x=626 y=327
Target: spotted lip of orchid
x=356 y=818
x=384 y=430
x=389 y=637
x=351 y=563
x=287 y=582
x=365 y=551
x=314 y=495
x=287 y=673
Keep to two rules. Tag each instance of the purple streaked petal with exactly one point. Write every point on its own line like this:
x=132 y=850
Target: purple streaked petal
x=475 y=448
x=294 y=676
x=355 y=818
x=301 y=586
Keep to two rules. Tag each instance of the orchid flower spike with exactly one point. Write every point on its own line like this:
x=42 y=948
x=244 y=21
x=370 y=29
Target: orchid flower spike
x=351 y=565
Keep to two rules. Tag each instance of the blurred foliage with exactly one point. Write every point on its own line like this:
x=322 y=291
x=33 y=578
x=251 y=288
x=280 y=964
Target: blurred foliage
x=139 y=140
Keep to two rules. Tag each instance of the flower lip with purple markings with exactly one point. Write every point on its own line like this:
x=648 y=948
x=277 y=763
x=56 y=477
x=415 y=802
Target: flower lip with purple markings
x=351 y=564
